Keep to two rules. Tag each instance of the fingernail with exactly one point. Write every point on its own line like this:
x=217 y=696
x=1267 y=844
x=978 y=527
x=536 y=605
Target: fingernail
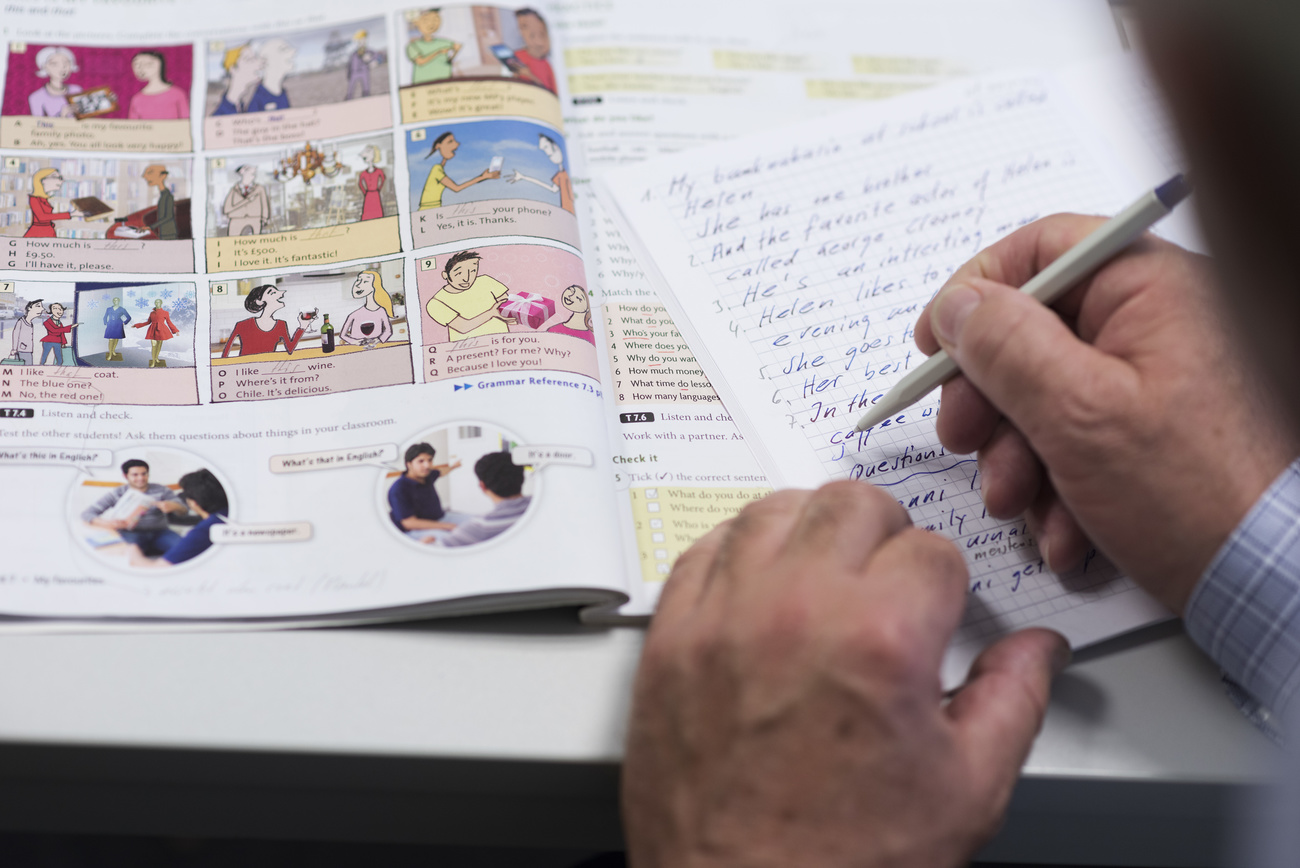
x=954 y=305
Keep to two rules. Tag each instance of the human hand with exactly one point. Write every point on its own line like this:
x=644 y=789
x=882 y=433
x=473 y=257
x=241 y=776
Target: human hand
x=518 y=176
x=490 y=175
x=788 y=709
x=1125 y=416
x=307 y=319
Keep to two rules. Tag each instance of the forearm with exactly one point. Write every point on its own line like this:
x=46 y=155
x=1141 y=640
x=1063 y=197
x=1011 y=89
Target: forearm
x=414 y=523
x=545 y=185
x=465 y=324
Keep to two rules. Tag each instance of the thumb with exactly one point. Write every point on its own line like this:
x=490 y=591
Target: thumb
x=1023 y=358
x=999 y=710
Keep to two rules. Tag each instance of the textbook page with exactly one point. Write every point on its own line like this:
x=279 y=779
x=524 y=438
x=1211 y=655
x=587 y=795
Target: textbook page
x=293 y=315
x=651 y=79
x=798 y=261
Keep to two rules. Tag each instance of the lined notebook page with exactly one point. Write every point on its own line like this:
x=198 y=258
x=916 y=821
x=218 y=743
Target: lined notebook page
x=797 y=262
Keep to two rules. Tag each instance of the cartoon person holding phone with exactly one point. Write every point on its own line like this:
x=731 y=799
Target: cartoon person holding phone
x=437 y=183
x=531 y=61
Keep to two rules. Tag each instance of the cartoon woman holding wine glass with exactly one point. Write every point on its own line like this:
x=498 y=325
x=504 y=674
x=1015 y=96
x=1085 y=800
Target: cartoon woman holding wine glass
x=368 y=325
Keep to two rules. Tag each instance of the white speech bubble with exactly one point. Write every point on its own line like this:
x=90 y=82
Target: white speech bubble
x=540 y=456
x=82 y=459
x=225 y=533
x=376 y=455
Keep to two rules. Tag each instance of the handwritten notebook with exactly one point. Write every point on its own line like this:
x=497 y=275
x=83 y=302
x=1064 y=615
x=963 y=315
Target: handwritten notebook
x=796 y=263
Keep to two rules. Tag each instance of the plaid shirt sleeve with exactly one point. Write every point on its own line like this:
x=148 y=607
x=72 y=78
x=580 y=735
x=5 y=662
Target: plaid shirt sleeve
x=1245 y=611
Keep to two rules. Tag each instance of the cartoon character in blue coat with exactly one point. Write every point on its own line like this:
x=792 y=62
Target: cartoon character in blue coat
x=115 y=320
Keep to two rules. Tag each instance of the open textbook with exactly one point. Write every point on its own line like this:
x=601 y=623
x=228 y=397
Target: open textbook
x=312 y=268
x=796 y=263
x=294 y=318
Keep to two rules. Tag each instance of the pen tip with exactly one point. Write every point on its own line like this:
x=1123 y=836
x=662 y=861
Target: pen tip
x=872 y=417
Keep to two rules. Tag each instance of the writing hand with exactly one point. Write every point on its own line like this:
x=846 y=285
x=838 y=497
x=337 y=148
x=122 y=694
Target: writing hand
x=1125 y=416
x=788 y=708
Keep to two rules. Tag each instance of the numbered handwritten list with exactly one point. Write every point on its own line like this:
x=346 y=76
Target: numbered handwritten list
x=796 y=263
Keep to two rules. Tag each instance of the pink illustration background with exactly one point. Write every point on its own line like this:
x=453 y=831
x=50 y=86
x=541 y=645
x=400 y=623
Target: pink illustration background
x=545 y=271
x=99 y=66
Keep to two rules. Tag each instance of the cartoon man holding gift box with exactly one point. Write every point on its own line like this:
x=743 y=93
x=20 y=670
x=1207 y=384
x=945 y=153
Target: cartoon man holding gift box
x=468 y=303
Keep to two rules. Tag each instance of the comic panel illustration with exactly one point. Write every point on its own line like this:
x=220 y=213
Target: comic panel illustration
x=314 y=203
x=461 y=487
x=99 y=343
x=82 y=97
x=511 y=307
x=96 y=214
x=144 y=508
x=312 y=333
x=484 y=178
x=286 y=87
x=476 y=61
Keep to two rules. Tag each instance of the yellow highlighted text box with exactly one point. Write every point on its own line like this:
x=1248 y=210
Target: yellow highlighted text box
x=761 y=61
x=621 y=55
x=651 y=82
x=305 y=246
x=669 y=519
x=452 y=99
x=91 y=134
x=828 y=88
x=881 y=65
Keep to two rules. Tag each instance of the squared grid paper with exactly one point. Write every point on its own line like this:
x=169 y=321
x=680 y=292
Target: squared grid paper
x=1034 y=164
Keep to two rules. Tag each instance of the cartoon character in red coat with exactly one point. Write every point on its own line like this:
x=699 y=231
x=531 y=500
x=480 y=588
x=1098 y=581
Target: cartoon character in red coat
x=161 y=328
x=44 y=183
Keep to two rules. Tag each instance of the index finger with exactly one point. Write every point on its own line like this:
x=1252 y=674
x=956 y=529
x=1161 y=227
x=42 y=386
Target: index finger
x=1013 y=260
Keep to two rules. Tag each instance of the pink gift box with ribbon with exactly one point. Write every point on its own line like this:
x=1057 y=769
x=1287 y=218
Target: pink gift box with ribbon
x=530 y=308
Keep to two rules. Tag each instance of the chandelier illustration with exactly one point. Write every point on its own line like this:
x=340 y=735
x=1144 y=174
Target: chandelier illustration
x=306 y=163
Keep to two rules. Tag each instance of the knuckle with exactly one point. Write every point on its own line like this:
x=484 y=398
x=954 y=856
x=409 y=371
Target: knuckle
x=884 y=650
x=848 y=500
x=758 y=515
x=1085 y=409
x=858 y=498
x=694 y=558
x=702 y=651
x=936 y=555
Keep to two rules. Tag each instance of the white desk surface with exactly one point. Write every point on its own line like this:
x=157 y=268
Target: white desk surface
x=1137 y=758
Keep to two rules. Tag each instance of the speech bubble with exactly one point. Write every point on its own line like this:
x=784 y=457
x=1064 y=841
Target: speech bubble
x=225 y=533
x=540 y=456
x=59 y=456
x=381 y=455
